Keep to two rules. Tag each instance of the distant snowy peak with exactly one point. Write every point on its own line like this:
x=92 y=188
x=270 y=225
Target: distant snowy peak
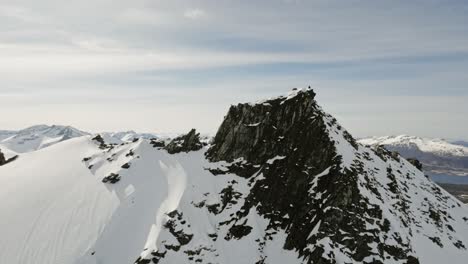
x=435 y=146
x=38 y=137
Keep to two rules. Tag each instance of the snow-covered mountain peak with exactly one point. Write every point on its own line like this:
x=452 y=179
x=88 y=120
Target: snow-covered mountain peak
x=291 y=94
x=282 y=182
x=39 y=136
x=438 y=146
x=344 y=202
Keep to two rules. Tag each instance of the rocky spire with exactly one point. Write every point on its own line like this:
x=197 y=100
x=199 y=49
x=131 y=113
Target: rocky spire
x=299 y=151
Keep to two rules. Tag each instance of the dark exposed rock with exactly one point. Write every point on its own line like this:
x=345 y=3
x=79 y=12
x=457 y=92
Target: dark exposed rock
x=126 y=166
x=102 y=144
x=185 y=143
x=412 y=260
x=2 y=158
x=239 y=231
x=130 y=153
x=181 y=237
x=416 y=163
x=111 y=178
x=157 y=143
x=4 y=161
x=287 y=141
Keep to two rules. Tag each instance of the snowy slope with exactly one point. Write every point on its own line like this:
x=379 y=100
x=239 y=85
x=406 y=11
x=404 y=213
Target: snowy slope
x=37 y=137
x=324 y=198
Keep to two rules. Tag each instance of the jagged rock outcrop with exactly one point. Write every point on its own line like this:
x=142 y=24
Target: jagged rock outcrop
x=185 y=143
x=317 y=183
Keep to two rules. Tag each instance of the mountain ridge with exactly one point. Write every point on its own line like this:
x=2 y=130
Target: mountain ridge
x=281 y=182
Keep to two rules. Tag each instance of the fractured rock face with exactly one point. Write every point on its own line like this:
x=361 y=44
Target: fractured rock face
x=185 y=143
x=318 y=184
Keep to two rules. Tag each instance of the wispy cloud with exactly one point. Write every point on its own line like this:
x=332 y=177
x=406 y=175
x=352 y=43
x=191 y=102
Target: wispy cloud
x=208 y=51
x=194 y=13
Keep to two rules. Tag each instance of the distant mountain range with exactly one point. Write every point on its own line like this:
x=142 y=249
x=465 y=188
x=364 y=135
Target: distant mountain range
x=444 y=161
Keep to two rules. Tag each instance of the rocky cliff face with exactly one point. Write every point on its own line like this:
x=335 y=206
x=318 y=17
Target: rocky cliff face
x=335 y=198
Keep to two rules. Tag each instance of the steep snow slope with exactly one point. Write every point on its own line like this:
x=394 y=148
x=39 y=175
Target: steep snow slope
x=40 y=136
x=62 y=212
x=283 y=182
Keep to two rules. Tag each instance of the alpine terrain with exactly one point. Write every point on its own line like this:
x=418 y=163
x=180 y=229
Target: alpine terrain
x=280 y=182
x=443 y=161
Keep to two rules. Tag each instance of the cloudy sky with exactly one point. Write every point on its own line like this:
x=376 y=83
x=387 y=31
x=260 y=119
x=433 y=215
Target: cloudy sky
x=381 y=67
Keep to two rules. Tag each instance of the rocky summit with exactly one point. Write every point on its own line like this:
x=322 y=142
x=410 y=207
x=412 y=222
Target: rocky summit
x=334 y=198
x=280 y=182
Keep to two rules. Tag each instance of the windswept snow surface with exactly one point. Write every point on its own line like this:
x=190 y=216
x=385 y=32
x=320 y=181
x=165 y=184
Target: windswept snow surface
x=63 y=213
x=56 y=209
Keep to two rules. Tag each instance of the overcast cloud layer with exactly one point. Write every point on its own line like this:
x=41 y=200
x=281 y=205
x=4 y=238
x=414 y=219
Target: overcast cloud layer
x=381 y=67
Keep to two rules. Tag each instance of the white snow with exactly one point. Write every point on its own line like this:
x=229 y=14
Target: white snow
x=424 y=144
x=272 y=160
x=56 y=209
